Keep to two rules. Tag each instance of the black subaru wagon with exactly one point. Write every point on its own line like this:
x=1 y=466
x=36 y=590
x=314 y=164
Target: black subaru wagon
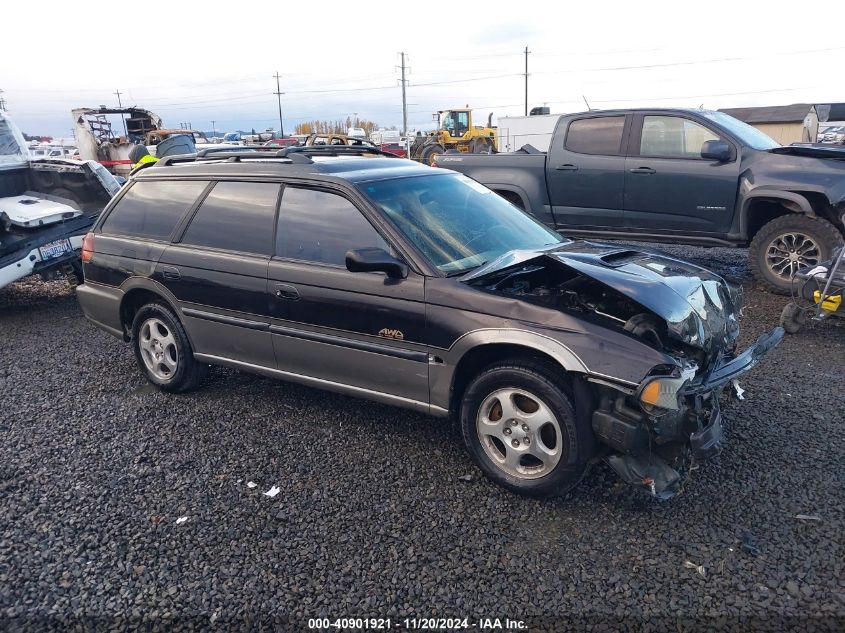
x=381 y=278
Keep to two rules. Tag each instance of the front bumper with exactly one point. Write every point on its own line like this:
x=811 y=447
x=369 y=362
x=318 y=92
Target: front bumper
x=727 y=369
x=666 y=445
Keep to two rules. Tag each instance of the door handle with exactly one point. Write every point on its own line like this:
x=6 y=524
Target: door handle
x=169 y=272
x=643 y=170
x=567 y=167
x=286 y=291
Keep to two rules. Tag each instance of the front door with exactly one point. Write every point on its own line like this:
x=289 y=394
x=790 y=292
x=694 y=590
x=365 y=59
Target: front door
x=668 y=185
x=585 y=171
x=363 y=330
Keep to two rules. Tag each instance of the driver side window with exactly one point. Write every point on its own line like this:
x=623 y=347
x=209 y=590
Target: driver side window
x=319 y=226
x=673 y=137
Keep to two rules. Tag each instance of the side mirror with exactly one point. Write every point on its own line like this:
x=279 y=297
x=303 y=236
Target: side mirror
x=716 y=150
x=364 y=260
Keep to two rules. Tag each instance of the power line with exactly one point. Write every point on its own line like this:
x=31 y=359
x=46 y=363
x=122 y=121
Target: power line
x=465 y=80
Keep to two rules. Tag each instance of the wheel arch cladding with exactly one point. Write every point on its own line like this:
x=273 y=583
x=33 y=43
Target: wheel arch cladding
x=475 y=359
x=133 y=300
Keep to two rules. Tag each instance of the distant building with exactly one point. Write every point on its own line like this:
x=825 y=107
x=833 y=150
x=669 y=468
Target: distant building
x=796 y=123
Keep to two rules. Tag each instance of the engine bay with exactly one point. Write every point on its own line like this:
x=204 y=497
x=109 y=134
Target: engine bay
x=562 y=288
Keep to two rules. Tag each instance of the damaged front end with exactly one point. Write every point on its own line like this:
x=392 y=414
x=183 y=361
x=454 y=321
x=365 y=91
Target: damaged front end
x=653 y=430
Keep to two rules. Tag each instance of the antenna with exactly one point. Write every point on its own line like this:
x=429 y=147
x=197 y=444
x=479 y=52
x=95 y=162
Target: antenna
x=587 y=102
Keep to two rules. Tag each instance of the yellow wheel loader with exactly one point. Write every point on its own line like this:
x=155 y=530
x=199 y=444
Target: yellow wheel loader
x=455 y=132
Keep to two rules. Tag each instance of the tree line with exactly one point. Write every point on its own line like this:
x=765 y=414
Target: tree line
x=338 y=126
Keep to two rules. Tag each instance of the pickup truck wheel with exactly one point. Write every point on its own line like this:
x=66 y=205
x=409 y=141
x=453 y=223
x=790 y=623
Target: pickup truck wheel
x=788 y=243
x=163 y=351
x=519 y=426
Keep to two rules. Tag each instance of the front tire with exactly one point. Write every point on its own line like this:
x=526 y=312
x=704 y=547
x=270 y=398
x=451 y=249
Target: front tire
x=788 y=243
x=519 y=425
x=163 y=350
x=431 y=153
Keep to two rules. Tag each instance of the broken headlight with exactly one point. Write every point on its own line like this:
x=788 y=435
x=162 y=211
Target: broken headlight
x=661 y=393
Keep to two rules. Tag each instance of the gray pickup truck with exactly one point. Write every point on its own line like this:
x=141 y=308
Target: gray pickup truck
x=682 y=176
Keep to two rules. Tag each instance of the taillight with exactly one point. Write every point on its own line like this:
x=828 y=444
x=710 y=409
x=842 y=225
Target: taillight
x=87 y=247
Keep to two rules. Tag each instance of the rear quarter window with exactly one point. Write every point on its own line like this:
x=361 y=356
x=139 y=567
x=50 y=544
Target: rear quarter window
x=152 y=209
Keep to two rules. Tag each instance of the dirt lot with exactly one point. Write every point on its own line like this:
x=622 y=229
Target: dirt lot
x=381 y=512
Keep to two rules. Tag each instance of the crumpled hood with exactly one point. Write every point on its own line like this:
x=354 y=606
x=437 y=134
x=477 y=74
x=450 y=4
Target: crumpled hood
x=699 y=307
x=811 y=150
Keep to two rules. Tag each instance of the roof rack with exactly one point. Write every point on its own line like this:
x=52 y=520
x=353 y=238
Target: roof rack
x=299 y=154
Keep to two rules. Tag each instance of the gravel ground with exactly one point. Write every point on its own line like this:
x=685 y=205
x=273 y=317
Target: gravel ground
x=381 y=512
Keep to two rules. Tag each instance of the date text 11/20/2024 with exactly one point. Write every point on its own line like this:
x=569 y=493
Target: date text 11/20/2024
x=416 y=624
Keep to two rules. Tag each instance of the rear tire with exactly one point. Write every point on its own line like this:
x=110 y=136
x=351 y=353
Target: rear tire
x=480 y=145
x=519 y=425
x=163 y=350
x=788 y=242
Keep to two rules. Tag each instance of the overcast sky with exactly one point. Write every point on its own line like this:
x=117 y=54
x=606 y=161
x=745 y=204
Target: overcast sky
x=202 y=61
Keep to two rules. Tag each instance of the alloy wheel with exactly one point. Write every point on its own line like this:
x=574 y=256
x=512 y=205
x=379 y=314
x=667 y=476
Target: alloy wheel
x=519 y=433
x=158 y=348
x=788 y=252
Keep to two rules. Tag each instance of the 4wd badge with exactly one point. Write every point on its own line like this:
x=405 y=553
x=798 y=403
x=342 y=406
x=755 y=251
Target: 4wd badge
x=389 y=333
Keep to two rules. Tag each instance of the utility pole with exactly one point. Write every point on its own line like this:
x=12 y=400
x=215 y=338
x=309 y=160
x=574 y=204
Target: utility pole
x=279 y=94
x=213 y=129
x=526 y=80
x=120 y=105
x=404 y=98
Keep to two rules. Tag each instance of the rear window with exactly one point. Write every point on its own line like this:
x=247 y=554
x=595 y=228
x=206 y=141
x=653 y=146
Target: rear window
x=152 y=209
x=236 y=216
x=596 y=135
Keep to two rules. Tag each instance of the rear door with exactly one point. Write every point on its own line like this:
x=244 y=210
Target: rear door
x=218 y=272
x=586 y=171
x=669 y=187
x=140 y=226
x=359 y=329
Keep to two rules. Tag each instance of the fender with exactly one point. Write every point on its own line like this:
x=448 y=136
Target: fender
x=442 y=374
x=794 y=202
x=138 y=282
x=519 y=191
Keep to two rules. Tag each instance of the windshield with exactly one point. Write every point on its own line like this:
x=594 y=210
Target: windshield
x=455 y=222
x=750 y=136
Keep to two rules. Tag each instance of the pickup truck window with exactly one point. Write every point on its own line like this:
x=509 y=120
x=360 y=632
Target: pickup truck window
x=673 y=137
x=455 y=222
x=236 y=216
x=152 y=209
x=596 y=135
x=318 y=226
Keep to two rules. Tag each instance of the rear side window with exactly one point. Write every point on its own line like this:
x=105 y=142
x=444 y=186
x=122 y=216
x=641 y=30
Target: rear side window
x=236 y=216
x=318 y=226
x=152 y=209
x=596 y=135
